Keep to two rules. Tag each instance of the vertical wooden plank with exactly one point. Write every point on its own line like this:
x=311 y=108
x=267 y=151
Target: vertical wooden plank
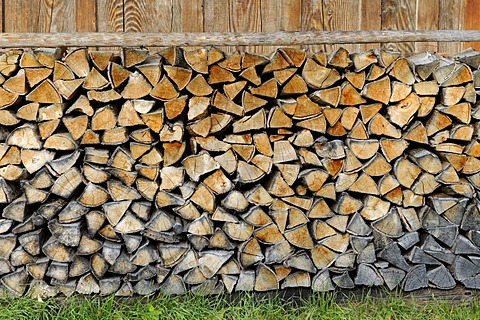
x=342 y=15
x=280 y=15
x=191 y=16
x=427 y=19
x=246 y=18
x=85 y=16
x=176 y=23
x=187 y=16
x=56 y=16
x=399 y=15
x=370 y=19
x=290 y=16
x=472 y=21
x=148 y=15
x=312 y=20
x=2 y=16
x=49 y=15
x=217 y=18
x=269 y=10
x=451 y=17
x=13 y=23
x=110 y=15
x=110 y=19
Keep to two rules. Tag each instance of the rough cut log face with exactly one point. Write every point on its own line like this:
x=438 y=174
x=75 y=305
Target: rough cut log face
x=194 y=170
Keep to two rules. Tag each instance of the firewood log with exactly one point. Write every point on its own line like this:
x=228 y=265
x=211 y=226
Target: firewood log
x=193 y=170
x=134 y=56
x=25 y=137
x=100 y=59
x=379 y=125
x=34 y=160
x=378 y=90
x=402 y=113
x=77 y=61
x=399 y=91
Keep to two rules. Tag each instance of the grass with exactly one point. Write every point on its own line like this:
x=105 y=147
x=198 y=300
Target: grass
x=246 y=307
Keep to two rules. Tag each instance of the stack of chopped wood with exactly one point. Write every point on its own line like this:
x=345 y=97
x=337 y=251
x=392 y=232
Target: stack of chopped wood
x=197 y=171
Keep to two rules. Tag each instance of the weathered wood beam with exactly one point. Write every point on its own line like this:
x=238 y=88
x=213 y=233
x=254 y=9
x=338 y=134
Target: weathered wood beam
x=119 y=39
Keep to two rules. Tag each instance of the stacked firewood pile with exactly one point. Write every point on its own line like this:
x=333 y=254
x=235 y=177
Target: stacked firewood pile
x=191 y=170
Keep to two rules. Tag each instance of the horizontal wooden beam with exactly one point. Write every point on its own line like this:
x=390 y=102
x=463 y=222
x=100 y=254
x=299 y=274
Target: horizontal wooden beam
x=120 y=39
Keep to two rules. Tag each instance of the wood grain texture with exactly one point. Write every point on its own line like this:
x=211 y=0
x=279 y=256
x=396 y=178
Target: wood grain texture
x=371 y=19
x=275 y=39
x=110 y=16
x=247 y=18
x=399 y=15
x=28 y=8
x=187 y=16
x=1 y=15
x=290 y=12
x=217 y=18
x=148 y=16
x=269 y=12
x=191 y=15
x=50 y=15
x=342 y=15
x=85 y=15
x=281 y=15
x=57 y=16
x=312 y=20
x=290 y=15
x=427 y=19
x=451 y=17
x=472 y=22
x=136 y=183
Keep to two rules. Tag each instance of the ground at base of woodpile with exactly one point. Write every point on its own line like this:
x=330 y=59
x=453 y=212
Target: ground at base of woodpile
x=331 y=306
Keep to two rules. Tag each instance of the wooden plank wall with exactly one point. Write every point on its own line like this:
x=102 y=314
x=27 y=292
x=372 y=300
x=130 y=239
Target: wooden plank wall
x=246 y=16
